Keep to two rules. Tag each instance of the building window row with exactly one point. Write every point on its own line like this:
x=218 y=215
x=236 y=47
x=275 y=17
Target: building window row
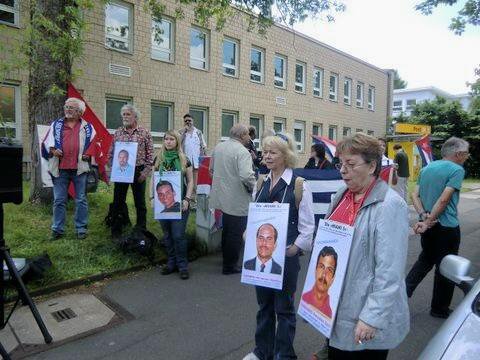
x=9 y=12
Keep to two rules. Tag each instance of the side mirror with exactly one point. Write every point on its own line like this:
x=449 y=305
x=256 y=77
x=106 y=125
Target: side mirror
x=457 y=269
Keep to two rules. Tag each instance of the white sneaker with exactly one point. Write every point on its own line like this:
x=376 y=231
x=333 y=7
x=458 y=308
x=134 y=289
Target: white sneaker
x=251 y=356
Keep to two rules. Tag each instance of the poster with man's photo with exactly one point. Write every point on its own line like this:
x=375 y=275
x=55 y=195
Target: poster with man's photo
x=167 y=202
x=325 y=275
x=265 y=242
x=123 y=162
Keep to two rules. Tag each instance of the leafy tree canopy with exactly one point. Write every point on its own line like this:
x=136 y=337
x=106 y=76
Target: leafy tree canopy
x=398 y=82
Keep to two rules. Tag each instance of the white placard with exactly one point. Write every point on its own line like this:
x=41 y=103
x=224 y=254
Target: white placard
x=124 y=160
x=326 y=272
x=266 y=238
x=168 y=195
x=42 y=131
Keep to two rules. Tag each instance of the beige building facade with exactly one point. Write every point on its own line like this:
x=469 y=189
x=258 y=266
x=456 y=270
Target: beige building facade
x=284 y=80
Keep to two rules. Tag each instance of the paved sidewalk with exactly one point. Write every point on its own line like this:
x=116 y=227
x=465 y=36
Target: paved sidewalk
x=212 y=316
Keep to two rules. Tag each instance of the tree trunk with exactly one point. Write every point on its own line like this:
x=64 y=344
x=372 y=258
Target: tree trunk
x=45 y=72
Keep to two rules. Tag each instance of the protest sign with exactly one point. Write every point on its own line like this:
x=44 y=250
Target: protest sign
x=168 y=195
x=123 y=162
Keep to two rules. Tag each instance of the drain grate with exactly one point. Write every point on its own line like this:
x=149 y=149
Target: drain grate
x=64 y=314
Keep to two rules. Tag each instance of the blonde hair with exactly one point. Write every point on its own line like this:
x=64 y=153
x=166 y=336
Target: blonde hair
x=286 y=145
x=178 y=148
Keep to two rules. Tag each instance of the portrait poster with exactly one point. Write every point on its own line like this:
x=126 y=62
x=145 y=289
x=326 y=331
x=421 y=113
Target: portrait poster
x=325 y=275
x=123 y=162
x=265 y=243
x=167 y=202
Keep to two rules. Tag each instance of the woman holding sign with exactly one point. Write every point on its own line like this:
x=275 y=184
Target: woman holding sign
x=276 y=319
x=372 y=314
x=172 y=158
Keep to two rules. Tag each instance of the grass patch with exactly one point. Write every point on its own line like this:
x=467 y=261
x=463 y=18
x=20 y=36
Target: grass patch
x=27 y=233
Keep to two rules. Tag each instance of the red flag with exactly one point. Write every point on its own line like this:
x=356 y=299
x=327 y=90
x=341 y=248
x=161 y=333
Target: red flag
x=100 y=144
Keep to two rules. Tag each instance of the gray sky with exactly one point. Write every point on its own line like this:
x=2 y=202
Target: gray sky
x=392 y=34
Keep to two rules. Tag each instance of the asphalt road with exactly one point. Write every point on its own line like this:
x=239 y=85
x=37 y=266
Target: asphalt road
x=212 y=316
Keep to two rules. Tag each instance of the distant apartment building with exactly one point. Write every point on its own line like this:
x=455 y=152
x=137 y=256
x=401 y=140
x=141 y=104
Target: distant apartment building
x=405 y=99
x=285 y=80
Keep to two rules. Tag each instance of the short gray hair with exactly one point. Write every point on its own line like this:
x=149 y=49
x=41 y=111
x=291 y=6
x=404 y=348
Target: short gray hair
x=453 y=146
x=238 y=130
x=132 y=108
x=81 y=105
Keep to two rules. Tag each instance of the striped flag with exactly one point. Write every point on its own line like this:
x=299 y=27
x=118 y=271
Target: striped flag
x=329 y=145
x=425 y=150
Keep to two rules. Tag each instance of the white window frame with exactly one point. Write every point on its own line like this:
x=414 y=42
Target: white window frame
x=371 y=132
x=333 y=94
x=303 y=84
x=15 y=10
x=300 y=145
x=320 y=127
x=259 y=131
x=155 y=47
x=235 y=121
x=347 y=97
x=170 y=118
x=397 y=107
x=371 y=100
x=115 y=98
x=359 y=101
x=318 y=91
x=358 y=130
x=17 y=125
x=229 y=66
x=335 y=128
x=283 y=79
x=206 y=46
x=262 y=65
x=282 y=122
x=409 y=107
x=347 y=131
x=205 y=119
x=129 y=7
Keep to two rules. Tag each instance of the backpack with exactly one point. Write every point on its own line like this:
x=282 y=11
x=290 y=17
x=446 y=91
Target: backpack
x=139 y=241
x=298 y=191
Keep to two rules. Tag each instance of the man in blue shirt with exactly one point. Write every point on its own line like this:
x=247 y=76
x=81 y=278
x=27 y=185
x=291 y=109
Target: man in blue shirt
x=436 y=198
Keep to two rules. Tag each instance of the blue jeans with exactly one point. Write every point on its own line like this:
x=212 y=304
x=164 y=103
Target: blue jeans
x=176 y=242
x=60 y=197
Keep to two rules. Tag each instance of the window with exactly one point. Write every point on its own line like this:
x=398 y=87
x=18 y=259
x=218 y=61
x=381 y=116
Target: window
x=118 y=26
x=359 y=97
x=229 y=118
x=371 y=98
x=257 y=122
x=332 y=133
x=9 y=12
x=347 y=91
x=280 y=76
x=358 y=130
x=230 y=57
x=200 y=119
x=279 y=124
x=257 y=59
x=333 y=87
x=163 y=39
x=347 y=131
x=371 y=132
x=198 y=49
x=113 y=105
x=299 y=135
x=397 y=105
x=410 y=104
x=318 y=82
x=317 y=129
x=10 y=107
x=161 y=120
x=300 y=78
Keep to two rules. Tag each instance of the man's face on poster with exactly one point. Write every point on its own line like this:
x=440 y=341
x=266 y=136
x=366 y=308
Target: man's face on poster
x=266 y=242
x=123 y=158
x=325 y=273
x=166 y=196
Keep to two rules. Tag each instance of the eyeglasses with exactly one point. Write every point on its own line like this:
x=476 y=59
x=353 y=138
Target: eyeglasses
x=464 y=153
x=68 y=107
x=188 y=121
x=348 y=166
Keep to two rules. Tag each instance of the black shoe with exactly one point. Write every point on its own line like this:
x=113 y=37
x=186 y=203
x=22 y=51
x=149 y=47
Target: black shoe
x=81 y=236
x=230 y=271
x=167 y=271
x=440 y=314
x=184 y=275
x=56 y=235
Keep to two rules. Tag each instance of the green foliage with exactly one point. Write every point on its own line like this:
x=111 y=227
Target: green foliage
x=469 y=14
x=447 y=118
x=398 y=82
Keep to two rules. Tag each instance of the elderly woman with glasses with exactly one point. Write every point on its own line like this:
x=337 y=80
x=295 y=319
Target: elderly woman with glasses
x=276 y=320
x=372 y=314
